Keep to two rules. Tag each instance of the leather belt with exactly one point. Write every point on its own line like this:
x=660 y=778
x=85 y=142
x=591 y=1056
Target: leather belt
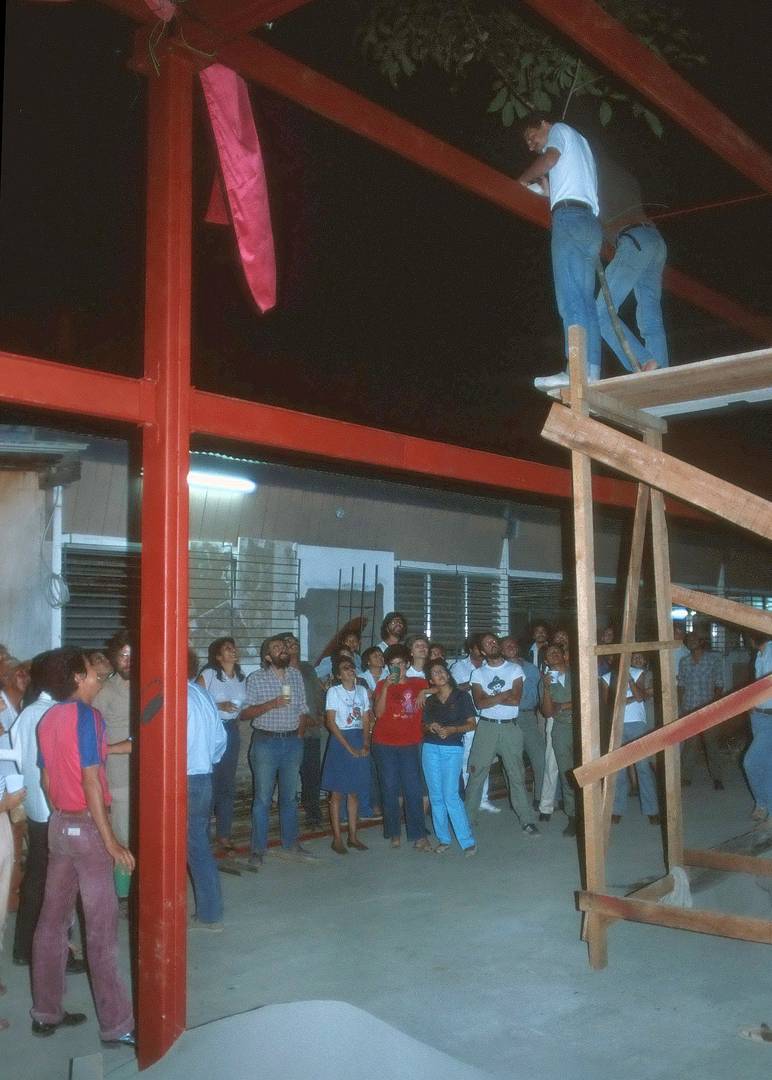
x=565 y=203
x=276 y=734
x=493 y=720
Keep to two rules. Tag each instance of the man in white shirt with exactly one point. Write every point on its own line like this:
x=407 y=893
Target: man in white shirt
x=33 y=884
x=207 y=739
x=758 y=759
x=564 y=171
x=496 y=690
x=462 y=671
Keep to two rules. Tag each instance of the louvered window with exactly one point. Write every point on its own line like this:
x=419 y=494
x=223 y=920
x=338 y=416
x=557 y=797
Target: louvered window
x=104 y=595
x=447 y=606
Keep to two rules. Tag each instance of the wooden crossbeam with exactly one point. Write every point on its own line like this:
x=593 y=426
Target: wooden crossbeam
x=694 y=724
x=617 y=411
x=724 y=610
x=728 y=860
x=660 y=470
x=634 y=646
x=739 y=927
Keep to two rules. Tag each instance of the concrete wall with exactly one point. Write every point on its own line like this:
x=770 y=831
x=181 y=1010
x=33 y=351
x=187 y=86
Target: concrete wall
x=25 y=616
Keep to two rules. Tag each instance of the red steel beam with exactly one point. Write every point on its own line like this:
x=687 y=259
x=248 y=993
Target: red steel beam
x=46 y=384
x=337 y=440
x=739 y=701
x=162 y=964
x=617 y=49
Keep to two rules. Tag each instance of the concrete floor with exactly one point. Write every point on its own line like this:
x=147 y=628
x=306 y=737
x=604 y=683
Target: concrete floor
x=479 y=958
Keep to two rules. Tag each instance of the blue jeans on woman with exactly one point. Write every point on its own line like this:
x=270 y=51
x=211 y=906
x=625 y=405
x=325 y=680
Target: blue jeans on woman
x=758 y=759
x=637 y=268
x=647 y=785
x=272 y=757
x=399 y=770
x=224 y=782
x=575 y=247
x=442 y=771
x=201 y=864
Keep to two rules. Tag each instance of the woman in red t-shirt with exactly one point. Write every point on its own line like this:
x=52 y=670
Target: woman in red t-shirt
x=396 y=748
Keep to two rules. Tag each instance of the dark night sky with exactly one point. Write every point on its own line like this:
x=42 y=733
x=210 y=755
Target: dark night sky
x=404 y=302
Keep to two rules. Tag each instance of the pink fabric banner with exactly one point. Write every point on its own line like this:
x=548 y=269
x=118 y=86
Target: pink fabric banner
x=241 y=164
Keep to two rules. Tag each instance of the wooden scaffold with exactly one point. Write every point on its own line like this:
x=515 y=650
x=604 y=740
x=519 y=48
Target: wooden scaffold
x=581 y=423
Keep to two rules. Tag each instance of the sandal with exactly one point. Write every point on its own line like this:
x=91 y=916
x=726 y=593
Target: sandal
x=763 y=1033
x=422 y=845
x=441 y=849
x=395 y=842
x=338 y=847
x=356 y=843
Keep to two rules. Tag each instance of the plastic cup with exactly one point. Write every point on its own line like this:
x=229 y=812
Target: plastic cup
x=286 y=692
x=122 y=879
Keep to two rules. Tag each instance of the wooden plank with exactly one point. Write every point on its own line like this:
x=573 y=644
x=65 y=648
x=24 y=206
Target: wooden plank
x=652 y=466
x=634 y=646
x=741 y=372
x=655 y=891
x=629 y=620
x=672 y=812
x=695 y=723
x=729 y=611
x=602 y=404
x=595 y=930
x=738 y=927
x=728 y=860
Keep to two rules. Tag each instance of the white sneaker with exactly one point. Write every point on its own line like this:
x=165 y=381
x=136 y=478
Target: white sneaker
x=488 y=806
x=551 y=382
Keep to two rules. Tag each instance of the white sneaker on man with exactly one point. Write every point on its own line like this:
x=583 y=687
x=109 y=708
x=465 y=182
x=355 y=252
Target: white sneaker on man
x=488 y=806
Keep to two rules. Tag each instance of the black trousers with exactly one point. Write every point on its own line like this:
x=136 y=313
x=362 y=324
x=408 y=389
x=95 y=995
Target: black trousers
x=310 y=776
x=33 y=887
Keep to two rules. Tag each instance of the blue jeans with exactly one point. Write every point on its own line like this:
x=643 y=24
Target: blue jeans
x=637 y=267
x=269 y=758
x=758 y=759
x=442 y=771
x=399 y=770
x=201 y=864
x=224 y=782
x=576 y=241
x=647 y=785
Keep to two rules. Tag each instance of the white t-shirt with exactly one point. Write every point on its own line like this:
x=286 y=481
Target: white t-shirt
x=462 y=670
x=369 y=678
x=573 y=176
x=350 y=706
x=635 y=711
x=414 y=673
x=229 y=688
x=495 y=680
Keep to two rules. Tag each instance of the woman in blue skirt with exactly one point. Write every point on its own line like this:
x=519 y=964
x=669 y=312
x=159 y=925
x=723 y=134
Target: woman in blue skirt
x=347 y=762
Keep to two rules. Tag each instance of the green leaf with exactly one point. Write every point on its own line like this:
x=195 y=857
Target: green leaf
x=499 y=99
x=654 y=122
x=521 y=109
x=508 y=113
x=605 y=112
x=542 y=100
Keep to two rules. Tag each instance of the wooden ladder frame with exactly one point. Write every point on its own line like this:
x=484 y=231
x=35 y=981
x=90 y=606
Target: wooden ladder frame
x=622 y=401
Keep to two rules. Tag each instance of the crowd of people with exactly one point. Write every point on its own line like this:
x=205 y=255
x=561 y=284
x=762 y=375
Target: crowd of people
x=411 y=738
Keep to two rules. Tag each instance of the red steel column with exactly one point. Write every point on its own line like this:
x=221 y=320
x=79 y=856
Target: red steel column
x=164 y=598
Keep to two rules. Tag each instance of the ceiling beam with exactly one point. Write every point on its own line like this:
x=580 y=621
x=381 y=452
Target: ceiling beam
x=241 y=16
x=594 y=30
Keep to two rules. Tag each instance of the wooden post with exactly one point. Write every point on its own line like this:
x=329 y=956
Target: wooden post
x=674 y=834
x=629 y=620
x=595 y=929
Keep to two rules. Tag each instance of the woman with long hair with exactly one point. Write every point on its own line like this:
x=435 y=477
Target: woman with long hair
x=448 y=714
x=225 y=682
x=346 y=770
